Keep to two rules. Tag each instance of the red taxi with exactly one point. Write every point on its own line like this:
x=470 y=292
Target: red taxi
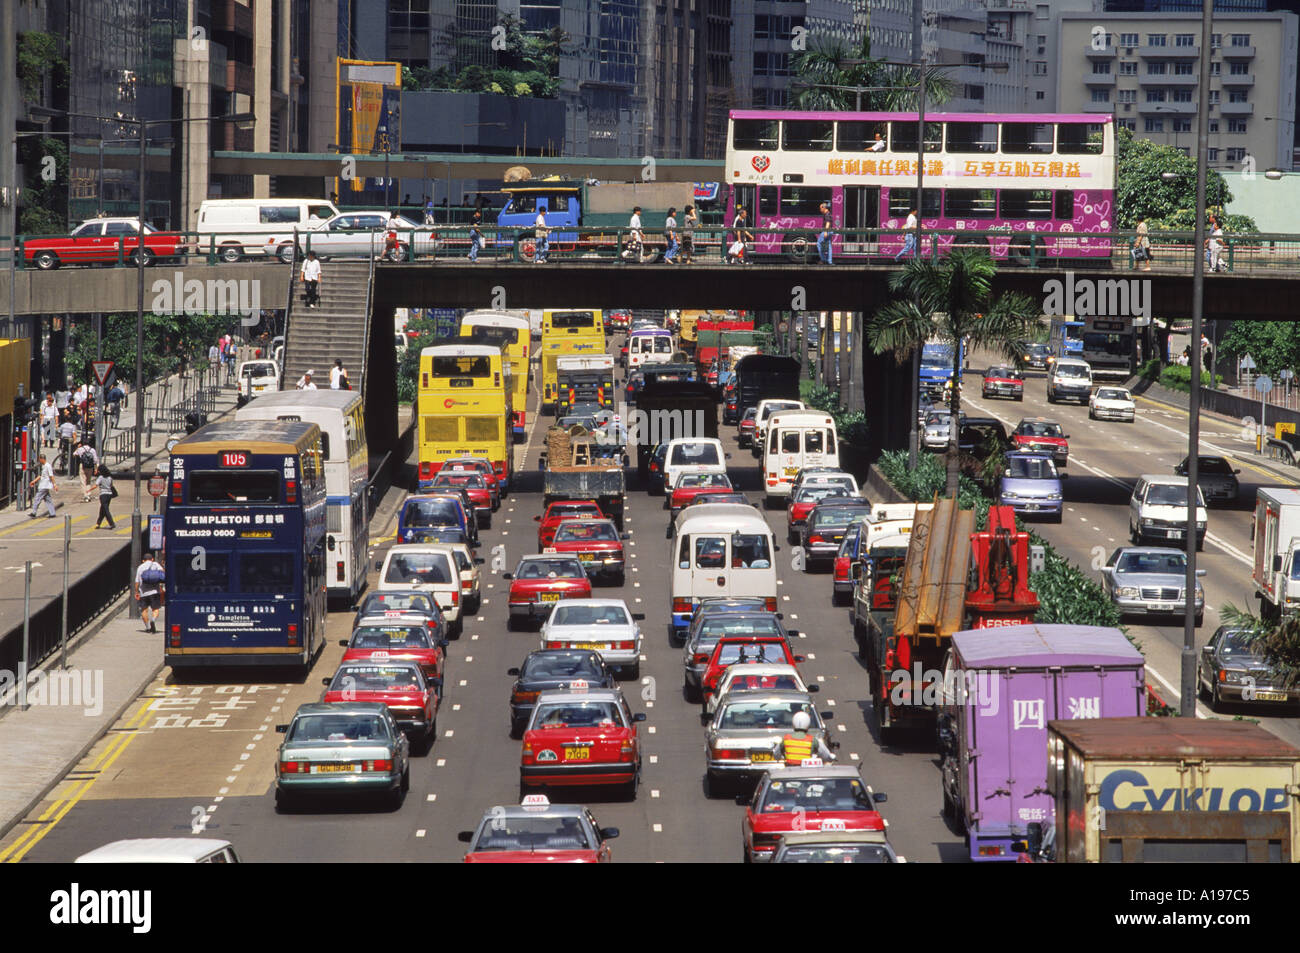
x=103 y=240
x=538 y=832
x=619 y=319
x=474 y=485
x=597 y=543
x=1047 y=436
x=478 y=465
x=579 y=737
x=539 y=582
x=397 y=637
x=1003 y=381
x=411 y=698
x=747 y=429
x=812 y=797
x=743 y=650
x=556 y=513
x=691 y=485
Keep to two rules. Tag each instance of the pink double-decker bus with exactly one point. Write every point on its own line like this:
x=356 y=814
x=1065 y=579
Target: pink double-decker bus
x=1046 y=174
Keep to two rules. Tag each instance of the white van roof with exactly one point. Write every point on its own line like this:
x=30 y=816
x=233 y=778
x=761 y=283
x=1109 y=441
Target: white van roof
x=800 y=418
x=722 y=518
x=154 y=850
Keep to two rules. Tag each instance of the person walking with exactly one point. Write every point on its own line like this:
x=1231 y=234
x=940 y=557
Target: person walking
x=311 y=279
x=339 y=376
x=104 y=481
x=824 y=250
x=635 y=240
x=543 y=237
x=909 y=242
x=1214 y=245
x=392 y=251
x=305 y=382
x=113 y=404
x=670 y=236
x=475 y=236
x=149 y=577
x=1142 y=245
x=214 y=354
x=741 y=234
x=88 y=461
x=49 y=420
x=428 y=211
x=67 y=438
x=689 y=221
x=45 y=485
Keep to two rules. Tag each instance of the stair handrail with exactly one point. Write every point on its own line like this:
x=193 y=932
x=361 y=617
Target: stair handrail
x=365 y=339
x=288 y=309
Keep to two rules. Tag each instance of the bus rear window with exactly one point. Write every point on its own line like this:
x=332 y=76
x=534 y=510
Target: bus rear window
x=234 y=486
x=480 y=366
x=270 y=573
x=482 y=428
x=441 y=429
x=573 y=319
x=189 y=576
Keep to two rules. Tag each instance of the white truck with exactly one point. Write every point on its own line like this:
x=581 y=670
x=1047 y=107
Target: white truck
x=1276 y=572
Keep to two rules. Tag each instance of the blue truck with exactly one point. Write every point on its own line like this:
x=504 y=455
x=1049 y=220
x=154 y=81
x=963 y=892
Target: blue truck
x=937 y=365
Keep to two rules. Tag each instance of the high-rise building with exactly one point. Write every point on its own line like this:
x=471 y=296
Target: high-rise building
x=767 y=34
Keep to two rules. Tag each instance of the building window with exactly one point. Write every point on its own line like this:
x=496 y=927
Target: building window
x=1237 y=126
x=1214 y=125
x=1126 y=96
x=1236 y=154
x=1214 y=96
x=1098 y=69
x=1182 y=125
x=1238 y=69
x=1040 y=68
x=1153 y=125
x=1216 y=40
x=1040 y=95
x=1181 y=95
x=1184 y=39
x=1155 y=69
x=1128 y=39
x=1214 y=69
x=1129 y=124
x=1184 y=68
x=1237 y=96
x=1128 y=69
x=1155 y=39
x=1240 y=39
x=1214 y=154
x=1155 y=95
x=1101 y=95
x=1042 y=11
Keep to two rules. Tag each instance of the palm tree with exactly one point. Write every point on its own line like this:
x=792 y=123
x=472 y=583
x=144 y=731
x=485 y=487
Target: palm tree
x=833 y=63
x=951 y=300
x=1277 y=639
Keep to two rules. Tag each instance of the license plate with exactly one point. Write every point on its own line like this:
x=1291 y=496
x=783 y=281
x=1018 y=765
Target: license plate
x=548 y=597
x=1271 y=696
x=596 y=646
x=1156 y=607
x=335 y=768
x=577 y=754
x=761 y=756
x=791 y=471
x=1175 y=533
x=1031 y=507
x=587 y=558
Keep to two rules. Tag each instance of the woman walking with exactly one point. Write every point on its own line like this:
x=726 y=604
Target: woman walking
x=689 y=222
x=104 y=480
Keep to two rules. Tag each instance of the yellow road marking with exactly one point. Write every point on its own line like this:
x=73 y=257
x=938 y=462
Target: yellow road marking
x=58 y=527
x=60 y=808
x=1272 y=475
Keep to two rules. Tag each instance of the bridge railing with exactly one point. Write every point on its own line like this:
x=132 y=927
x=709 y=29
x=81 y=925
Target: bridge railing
x=1248 y=254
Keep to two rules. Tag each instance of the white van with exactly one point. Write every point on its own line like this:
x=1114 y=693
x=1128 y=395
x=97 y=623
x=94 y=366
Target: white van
x=240 y=227
x=720 y=549
x=162 y=850
x=257 y=377
x=426 y=567
x=796 y=439
x=692 y=455
x=1069 y=379
x=766 y=408
x=649 y=346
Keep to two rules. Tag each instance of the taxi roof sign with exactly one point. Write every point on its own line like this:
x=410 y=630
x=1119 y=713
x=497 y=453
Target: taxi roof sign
x=578 y=685
x=834 y=824
x=811 y=763
x=549 y=549
x=535 y=802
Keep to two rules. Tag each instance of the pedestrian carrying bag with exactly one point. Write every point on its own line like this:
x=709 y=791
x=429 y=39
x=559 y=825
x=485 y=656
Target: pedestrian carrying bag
x=114 y=489
x=152 y=577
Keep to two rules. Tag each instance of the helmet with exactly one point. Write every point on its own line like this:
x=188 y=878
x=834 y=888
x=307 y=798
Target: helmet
x=801 y=721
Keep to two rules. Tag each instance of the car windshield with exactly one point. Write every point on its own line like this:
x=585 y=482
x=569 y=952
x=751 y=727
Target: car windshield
x=1237 y=645
x=744 y=652
x=1071 y=370
x=1295 y=564
x=550 y=569
x=771 y=715
x=1216 y=465
x=937 y=418
x=1113 y=393
x=1032 y=428
x=722 y=625
x=819 y=794
x=443 y=512
x=812 y=492
x=418 y=568
x=589 y=615
x=1031 y=468
x=562 y=665
x=591 y=714
x=390 y=637
x=472 y=480
x=396 y=602
x=338 y=728
x=771 y=409
x=1170 y=494
x=1170 y=562
x=694 y=454
x=377 y=678
x=1003 y=372
x=836 y=515
x=750 y=414
x=586 y=532
x=837 y=854
x=534 y=832
x=704 y=479
x=739 y=681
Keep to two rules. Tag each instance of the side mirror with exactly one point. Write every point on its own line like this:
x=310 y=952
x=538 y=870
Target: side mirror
x=814 y=688
x=800 y=658
x=608 y=833
x=1067 y=436
x=834 y=745
x=281 y=729
x=506 y=575
x=880 y=797
x=1006 y=472
x=443 y=643
x=343 y=642
x=479 y=560
x=1064 y=476
x=624 y=535
x=325 y=681
x=465 y=836
x=639 y=716
x=1235 y=472
x=792 y=633
x=638 y=616
x=513 y=671
x=776 y=547
x=378 y=566
x=1277 y=563
x=1200 y=572
x=537 y=519
x=780 y=615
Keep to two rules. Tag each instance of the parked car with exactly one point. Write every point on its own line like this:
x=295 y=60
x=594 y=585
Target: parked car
x=1148 y=580
x=1215 y=476
x=1232 y=668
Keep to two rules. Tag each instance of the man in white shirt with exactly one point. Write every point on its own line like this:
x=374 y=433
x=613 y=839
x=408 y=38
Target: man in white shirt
x=305 y=382
x=1216 y=248
x=49 y=420
x=635 y=241
x=878 y=145
x=88 y=460
x=148 y=593
x=909 y=242
x=338 y=375
x=311 y=279
x=543 y=235
x=45 y=485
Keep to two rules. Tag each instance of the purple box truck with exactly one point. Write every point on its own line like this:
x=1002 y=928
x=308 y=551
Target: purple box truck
x=1000 y=688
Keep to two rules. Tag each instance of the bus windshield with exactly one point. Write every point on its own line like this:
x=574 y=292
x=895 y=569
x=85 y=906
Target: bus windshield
x=235 y=486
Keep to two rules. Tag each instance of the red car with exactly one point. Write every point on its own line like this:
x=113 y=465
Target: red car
x=1004 y=381
x=474 y=485
x=742 y=650
x=537 y=832
x=103 y=240
x=618 y=320
x=597 y=543
x=747 y=428
x=479 y=465
x=540 y=581
x=1043 y=435
x=805 y=799
x=558 y=512
x=691 y=485
x=579 y=737
x=411 y=698
x=397 y=637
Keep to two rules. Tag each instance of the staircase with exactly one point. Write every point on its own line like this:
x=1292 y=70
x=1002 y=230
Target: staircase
x=334 y=329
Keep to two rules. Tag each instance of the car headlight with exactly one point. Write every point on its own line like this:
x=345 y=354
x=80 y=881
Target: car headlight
x=1233 y=678
x=1054 y=497
x=1127 y=592
x=1146 y=521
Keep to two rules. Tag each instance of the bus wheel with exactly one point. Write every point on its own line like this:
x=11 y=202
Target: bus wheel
x=528 y=249
x=797 y=250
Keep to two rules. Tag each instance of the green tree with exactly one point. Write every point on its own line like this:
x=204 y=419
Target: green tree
x=1141 y=192
x=1277 y=640
x=167 y=339
x=1273 y=345
x=834 y=63
x=952 y=300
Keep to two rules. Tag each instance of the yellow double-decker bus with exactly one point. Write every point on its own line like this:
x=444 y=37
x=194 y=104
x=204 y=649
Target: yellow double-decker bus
x=567 y=331
x=464 y=409
x=510 y=332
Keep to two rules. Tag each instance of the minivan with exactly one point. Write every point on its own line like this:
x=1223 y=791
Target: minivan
x=796 y=439
x=692 y=455
x=720 y=549
x=1158 y=510
x=1069 y=379
x=239 y=228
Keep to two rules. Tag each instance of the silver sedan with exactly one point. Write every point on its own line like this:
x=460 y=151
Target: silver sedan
x=744 y=738
x=1148 y=580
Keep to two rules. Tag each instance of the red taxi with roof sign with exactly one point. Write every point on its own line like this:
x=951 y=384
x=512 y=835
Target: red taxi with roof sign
x=397 y=637
x=539 y=832
x=556 y=513
x=477 y=465
x=743 y=650
x=476 y=488
x=690 y=486
x=597 y=543
x=411 y=698
x=811 y=797
x=539 y=582
x=581 y=736
x=1039 y=433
